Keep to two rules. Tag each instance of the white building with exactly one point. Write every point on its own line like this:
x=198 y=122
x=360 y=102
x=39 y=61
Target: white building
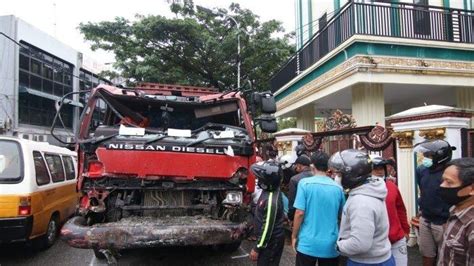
x=36 y=70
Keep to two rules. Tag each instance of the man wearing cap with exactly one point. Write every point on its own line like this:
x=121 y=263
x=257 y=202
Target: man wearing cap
x=303 y=169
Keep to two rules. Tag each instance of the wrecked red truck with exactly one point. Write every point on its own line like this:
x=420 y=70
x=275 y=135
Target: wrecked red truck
x=165 y=165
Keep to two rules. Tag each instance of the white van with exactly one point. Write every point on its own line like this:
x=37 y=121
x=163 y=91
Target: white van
x=37 y=190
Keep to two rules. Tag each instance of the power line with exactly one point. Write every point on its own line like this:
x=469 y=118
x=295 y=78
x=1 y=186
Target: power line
x=316 y=20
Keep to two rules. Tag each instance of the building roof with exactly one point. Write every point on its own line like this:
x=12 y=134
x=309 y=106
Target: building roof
x=428 y=109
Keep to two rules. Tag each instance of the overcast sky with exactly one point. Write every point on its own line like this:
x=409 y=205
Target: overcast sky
x=60 y=18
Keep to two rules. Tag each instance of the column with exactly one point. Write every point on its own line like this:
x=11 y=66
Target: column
x=305 y=118
x=406 y=173
x=406 y=179
x=465 y=100
x=368 y=104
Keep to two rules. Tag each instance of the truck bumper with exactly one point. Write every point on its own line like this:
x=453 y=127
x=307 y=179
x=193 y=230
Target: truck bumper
x=142 y=232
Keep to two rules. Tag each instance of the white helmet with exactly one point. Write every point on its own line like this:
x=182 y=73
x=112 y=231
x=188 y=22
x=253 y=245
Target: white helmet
x=287 y=160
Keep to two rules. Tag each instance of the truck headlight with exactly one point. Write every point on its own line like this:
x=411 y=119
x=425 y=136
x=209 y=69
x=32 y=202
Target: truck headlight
x=233 y=198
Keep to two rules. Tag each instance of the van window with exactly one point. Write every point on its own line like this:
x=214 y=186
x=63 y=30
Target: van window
x=11 y=163
x=69 y=167
x=55 y=167
x=42 y=176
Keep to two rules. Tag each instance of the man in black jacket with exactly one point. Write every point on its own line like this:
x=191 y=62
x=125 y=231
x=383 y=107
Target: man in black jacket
x=434 y=211
x=269 y=215
x=303 y=169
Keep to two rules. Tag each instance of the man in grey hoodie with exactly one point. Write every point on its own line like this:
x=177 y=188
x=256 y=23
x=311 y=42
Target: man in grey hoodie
x=363 y=236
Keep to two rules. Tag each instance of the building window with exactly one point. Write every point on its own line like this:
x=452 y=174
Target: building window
x=89 y=81
x=43 y=73
x=421 y=17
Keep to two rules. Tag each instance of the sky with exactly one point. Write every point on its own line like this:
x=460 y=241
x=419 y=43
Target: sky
x=60 y=18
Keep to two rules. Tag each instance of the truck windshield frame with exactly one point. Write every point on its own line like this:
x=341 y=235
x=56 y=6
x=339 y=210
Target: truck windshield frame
x=149 y=113
x=11 y=162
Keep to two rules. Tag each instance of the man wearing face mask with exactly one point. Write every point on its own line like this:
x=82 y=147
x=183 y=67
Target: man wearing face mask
x=458 y=189
x=363 y=236
x=303 y=169
x=434 y=211
x=397 y=214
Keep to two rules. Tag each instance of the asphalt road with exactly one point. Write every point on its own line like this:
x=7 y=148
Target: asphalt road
x=62 y=254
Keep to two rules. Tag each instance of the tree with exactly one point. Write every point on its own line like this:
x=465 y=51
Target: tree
x=197 y=47
x=284 y=123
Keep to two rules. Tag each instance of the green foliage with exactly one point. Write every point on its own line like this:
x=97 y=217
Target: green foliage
x=196 y=47
x=286 y=123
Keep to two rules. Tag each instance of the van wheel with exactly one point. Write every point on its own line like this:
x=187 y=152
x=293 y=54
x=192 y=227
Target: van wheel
x=51 y=234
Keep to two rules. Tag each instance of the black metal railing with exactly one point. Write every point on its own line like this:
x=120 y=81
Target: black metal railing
x=400 y=20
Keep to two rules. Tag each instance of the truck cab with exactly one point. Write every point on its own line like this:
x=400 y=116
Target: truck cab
x=164 y=165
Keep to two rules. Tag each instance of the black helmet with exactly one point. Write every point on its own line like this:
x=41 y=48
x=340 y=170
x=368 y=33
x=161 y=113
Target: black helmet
x=439 y=150
x=378 y=161
x=269 y=175
x=355 y=167
x=300 y=149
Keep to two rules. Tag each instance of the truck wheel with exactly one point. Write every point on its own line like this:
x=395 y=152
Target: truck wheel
x=230 y=247
x=51 y=235
x=99 y=255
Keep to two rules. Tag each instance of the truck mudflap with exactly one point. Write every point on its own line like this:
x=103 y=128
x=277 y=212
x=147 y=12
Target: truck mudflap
x=142 y=232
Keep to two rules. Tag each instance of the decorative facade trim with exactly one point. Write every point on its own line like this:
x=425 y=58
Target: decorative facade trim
x=405 y=138
x=377 y=64
x=379 y=138
x=429 y=116
x=433 y=133
x=312 y=143
x=284 y=146
x=338 y=120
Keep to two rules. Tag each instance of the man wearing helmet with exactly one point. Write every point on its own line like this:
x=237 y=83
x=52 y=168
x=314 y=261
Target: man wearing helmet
x=434 y=211
x=269 y=216
x=397 y=214
x=363 y=236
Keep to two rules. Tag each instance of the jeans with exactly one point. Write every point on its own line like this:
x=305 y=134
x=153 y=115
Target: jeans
x=399 y=252
x=389 y=262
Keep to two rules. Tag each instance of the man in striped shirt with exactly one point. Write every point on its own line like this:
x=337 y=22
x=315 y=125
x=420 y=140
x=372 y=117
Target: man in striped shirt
x=458 y=189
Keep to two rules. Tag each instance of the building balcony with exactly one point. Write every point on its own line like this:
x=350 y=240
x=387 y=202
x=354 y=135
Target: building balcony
x=386 y=22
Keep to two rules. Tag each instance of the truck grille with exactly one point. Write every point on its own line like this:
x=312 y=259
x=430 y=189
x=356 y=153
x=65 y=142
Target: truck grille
x=168 y=198
x=171 y=203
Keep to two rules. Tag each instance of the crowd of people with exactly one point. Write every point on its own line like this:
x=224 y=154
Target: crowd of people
x=347 y=210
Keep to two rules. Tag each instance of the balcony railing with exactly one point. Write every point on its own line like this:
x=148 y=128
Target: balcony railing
x=399 y=20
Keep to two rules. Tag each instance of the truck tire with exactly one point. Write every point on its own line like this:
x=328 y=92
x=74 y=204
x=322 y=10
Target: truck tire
x=99 y=255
